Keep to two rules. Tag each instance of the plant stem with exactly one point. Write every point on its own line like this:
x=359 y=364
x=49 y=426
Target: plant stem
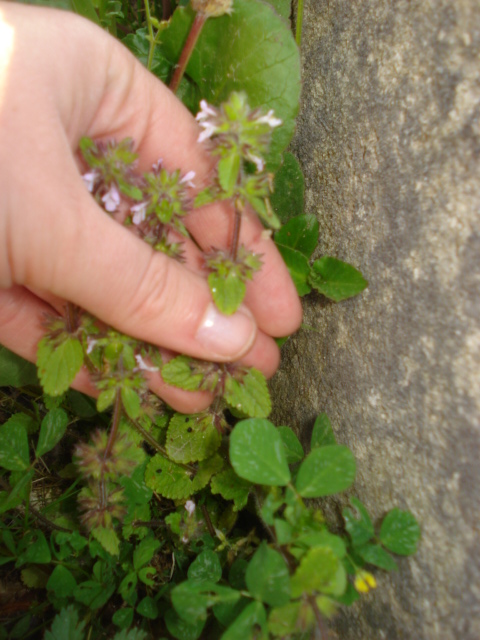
x=318 y=617
x=70 y=317
x=188 y=47
x=298 y=31
x=117 y=414
x=151 y=37
x=236 y=231
x=208 y=522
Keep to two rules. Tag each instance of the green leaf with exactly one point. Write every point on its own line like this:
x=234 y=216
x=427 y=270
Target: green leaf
x=337 y=280
x=52 y=430
x=322 y=539
x=106 y=399
x=178 y=373
x=267 y=577
x=192 y=599
x=206 y=567
x=86 y=9
x=123 y=618
x=269 y=74
x=33 y=549
x=15 y=371
x=58 y=366
x=400 y=532
x=293 y=448
x=299 y=233
x=177 y=482
x=144 y=552
x=317 y=570
x=148 y=608
x=34 y=577
x=228 y=169
x=228 y=291
x=322 y=433
x=93 y=594
x=286 y=621
x=139 y=45
x=131 y=634
x=257 y=453
x=288 y=189
x=136 y=491
x=108 y=539
x=298 y=268
x=61 y=582
x=14 y=454
x=19 y=492
x=376 y=555
x=360 y=529
x=180 y=628
x=252 y=616
x=325 y=471
x=282 y=7
x=131 y=402
x=231 y=487
x=192 y=437
x=250 y=396
x=66 y=626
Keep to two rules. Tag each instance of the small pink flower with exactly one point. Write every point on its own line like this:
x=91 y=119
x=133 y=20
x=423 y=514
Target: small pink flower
x=208 y=130
x=187 y=179
x=205 y=111
x=90 y=179
x=111 y=199
x=142 y=365
x=259 y=162
x=270 y=120
x=190 y=506
x=139 y=212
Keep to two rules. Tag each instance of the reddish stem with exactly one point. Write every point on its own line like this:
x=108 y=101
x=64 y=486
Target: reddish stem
x=117 y=414
x=188 y=47
x=236 y=232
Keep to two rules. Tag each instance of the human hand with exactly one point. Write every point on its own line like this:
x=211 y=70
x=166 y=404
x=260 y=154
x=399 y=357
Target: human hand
x=61 y=78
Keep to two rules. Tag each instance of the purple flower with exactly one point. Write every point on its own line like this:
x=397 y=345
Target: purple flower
x=111 y=199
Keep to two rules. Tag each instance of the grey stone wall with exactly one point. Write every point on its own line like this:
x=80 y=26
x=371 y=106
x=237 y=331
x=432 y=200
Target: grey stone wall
x=389 y=140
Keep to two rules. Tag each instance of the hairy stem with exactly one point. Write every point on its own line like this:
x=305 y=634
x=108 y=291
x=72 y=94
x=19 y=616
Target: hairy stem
x=151 y=37
x=117 y=414
x=236 y=231
x=158 y=447
x=188 y=47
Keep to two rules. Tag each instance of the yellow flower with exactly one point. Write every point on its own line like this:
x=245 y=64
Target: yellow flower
x=364 y=581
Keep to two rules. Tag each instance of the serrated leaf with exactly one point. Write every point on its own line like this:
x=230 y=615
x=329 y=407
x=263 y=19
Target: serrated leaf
x=14 y=454
x=322 y=433
x=131 y=402
x=108 y=539
x=267 y=577
x=205 y=568
x=227 y=291
x=269 y=74
x=250 y=396
x=15 y=371
x=144 y=552
x=192 y=599
x=228 y=169
x=148 y=608
x=62 y=582
x=52 y=430
x=299 y=233
x=58 y=366
x=180 y=628
x=298 y=267
x=376 y=555
x=192 y=437
x=325 y=471
x=252 y=616
x=257 y=453
x=178 y=373
x=131 y=634
x=177 y=482
x=66 y=626
x=231 y=487
x=316 y=571
x=359 y=528
x=288 y=189
x=293 y=448
x=337 y=280
x=400 y=532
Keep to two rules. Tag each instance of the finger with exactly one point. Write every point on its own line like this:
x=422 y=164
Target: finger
x=22 y=320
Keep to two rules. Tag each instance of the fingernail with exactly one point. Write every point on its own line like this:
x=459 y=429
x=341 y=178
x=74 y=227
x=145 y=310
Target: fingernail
x=227 y=336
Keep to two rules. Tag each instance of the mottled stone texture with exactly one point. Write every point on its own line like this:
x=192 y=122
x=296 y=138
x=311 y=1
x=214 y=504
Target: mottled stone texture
x=389 y=140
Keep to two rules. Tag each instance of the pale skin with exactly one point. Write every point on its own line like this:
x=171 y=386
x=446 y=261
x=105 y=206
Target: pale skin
x=61 y=78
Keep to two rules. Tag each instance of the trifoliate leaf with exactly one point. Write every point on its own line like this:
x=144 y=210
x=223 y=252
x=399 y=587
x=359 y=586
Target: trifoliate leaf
x=316 y=571
x=359 y=528
x=206 y=567
x=257 y=453
x=252 y=617
x=228 y=291
x=192 y=437
x=322 y=433
x=192 y=599
x=288 y=189
x=178 y=372
x=250 y=395
x=14 y=454
x=298 y=268
x=376 y=555
x=52 y=430
x=400 y=532
x=58 y=365
x=61 y=582
x=293 y=448
x=337 y=280
x=231 y=487
x=267 y=577
x=15 y=371
x=177 y=482
x=66 y=626
x=299 y=233
x=108 y=539
x=325 y=471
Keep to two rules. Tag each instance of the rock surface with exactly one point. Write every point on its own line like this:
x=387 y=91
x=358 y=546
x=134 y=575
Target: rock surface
x=389 y=140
